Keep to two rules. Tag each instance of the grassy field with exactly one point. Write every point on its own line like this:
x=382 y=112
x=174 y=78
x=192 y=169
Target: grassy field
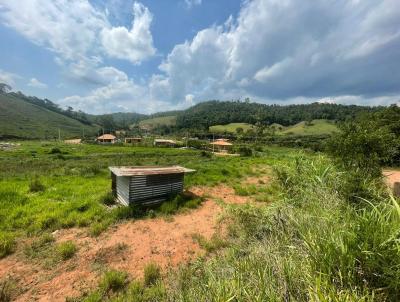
x=230 y=128
x=19 y=118
x=316 y=127
x=158 y=121
x=47 y=186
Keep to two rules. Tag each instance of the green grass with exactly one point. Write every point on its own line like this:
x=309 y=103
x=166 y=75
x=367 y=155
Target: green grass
x=158 y=121
x=312 y=244
x=76 y=187
x=316 y=127
x=230 y=128
x=22 y=119
x=66 y=250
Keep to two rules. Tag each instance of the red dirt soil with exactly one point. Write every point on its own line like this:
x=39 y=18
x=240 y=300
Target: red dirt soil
x=392 y=176
x=128 y=246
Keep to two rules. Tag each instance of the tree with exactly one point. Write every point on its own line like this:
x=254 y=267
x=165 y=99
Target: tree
x=5 y=88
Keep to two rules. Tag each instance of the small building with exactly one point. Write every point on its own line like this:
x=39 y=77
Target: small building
x=107 y=138
x=164 y=142
x=221 y=146
x=132 y=140
x=76 y=141
x=146 y=185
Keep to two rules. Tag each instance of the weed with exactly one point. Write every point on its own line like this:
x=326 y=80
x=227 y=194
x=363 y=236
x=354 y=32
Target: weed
x=7 y=244
x=36 y=186
x=66 y=250
x=215 y=243
x=8 y=290
x=113 y=281
x=152 y=273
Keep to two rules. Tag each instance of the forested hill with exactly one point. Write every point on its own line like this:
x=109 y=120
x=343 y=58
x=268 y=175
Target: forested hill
x=211 y=113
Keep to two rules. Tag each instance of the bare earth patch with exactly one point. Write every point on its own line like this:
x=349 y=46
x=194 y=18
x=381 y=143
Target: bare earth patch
x=128 y=246
x=391 y=176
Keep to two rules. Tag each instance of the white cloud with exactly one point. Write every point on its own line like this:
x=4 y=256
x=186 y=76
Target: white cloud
x=36 y=83
x=281 y=50
x=72 y=29
x=8 y=77
x=191 y=3
x=135 y=44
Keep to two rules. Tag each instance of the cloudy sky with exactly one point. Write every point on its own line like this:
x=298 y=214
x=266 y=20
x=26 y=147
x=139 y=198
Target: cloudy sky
x=151 y=55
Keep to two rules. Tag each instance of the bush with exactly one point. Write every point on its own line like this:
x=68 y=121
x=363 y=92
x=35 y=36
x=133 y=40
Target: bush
x=152 y=273
x=66 y=250
x=244 y=151
x=113 y=281
x=36 y=186
x=55 y=150
x=7 y=244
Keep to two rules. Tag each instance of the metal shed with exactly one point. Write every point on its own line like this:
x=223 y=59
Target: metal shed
x=146 y=185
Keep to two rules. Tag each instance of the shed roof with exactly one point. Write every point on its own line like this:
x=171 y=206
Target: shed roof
x=160 y=140
x=148 y=170
x=107 y=136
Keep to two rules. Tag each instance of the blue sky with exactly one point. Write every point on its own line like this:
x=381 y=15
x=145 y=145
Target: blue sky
x=146 y=56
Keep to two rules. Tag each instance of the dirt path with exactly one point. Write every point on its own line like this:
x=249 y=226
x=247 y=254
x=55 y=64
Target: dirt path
x=128 y=246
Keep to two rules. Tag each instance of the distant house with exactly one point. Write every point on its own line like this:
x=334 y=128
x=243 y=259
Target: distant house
x=107 y=139
x=221 y=145
x=73 y=141
x=146 y=185
x=132 y=140
x=164 y=142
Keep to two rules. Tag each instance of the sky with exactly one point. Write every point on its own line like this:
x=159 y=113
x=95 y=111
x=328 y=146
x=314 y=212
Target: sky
x=104 y=56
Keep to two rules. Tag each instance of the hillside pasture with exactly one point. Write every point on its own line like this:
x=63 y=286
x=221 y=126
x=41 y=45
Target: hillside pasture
x=230 y=128
x=21 y=119
x=315 y=127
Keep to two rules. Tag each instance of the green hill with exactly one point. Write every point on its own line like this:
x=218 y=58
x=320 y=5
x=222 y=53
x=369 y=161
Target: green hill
x=315 y=127
x=22 y=119
x=169 y=120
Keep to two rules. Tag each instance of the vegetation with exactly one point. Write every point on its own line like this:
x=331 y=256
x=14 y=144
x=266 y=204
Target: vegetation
x=207 y=114
x=152 y=273
x=22 y=119
x=151 y=123
x=231 y=128
x=66 y=250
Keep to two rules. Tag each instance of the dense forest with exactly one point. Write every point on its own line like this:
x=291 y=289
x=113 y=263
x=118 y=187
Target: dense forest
x=211 y=113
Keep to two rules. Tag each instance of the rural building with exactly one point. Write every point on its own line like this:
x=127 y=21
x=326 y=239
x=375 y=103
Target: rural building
x=73 y=141
x=146 y=185
x=132 y=140
x=164 y=142
x=221 y=146
x=107 y=138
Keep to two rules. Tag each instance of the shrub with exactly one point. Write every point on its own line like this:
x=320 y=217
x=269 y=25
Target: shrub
x=55 y=150
x=66 y=250
x=113 y=281
x=8 y=290
x=36 y=185
x=7 y=244
x=152 y=273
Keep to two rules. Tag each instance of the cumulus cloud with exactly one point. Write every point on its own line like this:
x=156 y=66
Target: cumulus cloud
x=72 y=29
x=36 y=83
x=8 y=77
x=272 y=51
x=281 y=50
x=135 y=44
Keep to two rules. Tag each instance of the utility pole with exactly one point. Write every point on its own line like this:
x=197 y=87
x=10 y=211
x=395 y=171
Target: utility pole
x=213 y=143
x=187 y=139
x=59 y=135
x=83 y=132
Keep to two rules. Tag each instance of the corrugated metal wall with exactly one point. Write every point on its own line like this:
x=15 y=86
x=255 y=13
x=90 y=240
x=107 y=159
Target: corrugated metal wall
x=154 y=188
x=123 y=189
